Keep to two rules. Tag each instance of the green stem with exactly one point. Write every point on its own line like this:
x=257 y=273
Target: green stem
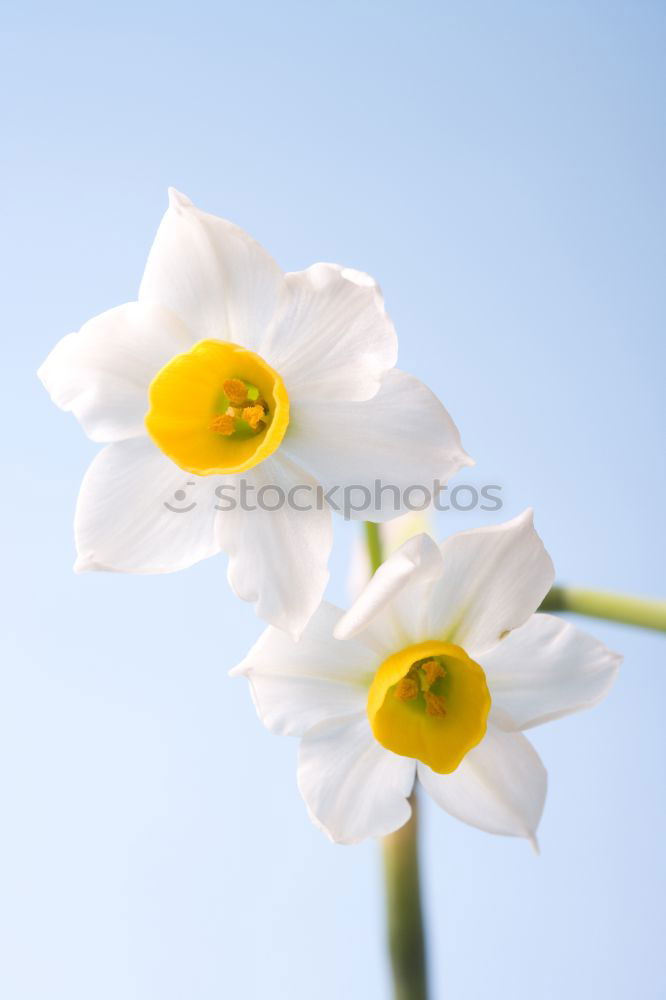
x=406 y=939
x=613 y=607
x=404 y=911
x=373 y=540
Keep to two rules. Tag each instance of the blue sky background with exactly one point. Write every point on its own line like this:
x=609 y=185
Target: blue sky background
x=499 y=167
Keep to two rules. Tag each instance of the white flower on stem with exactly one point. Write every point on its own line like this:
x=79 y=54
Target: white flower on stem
x=227 y=369
x=443 y=666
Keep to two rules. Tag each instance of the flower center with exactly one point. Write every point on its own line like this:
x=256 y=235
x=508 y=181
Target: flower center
x=430 y=701
x=217 y=409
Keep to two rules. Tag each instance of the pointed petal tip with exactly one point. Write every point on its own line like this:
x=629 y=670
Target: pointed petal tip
x=464 y=460
x=525 y=517
x=178 y=200
x=616 y=661
x=87 y=564
x=534 y=844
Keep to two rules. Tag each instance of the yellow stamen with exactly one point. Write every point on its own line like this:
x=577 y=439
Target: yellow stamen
x=235 y=391
x=407 y=689
x=435 y=704
x=253 y=415
x=223 y=424
x=431 y=672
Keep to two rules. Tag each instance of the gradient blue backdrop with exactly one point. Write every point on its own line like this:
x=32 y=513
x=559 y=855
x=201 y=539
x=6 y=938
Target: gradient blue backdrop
x=500 y=168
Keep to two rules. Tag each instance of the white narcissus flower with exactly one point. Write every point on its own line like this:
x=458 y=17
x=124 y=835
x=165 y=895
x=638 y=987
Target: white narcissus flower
x=227 y=369
x=443 y=667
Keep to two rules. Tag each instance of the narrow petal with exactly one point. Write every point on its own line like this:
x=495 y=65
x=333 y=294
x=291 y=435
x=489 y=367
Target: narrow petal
x=278 y=557
x=500 y=787
x=493 y=579
x=352 y=786
x=139 y=513
x=394 y=533
x=212 y=274
x=402 y=440
x=102 y=373
x=389 y=611
x=331 y=338
x=296 y=685
x=545 y=669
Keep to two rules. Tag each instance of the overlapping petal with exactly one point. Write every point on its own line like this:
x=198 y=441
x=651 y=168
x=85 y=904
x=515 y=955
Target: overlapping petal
x=219 y=280
x=295 y=686
x=102 y=373
x=402 y=439
x=394 y=534
x=330 y=339
x=546 y=669
x=492 y=580
x=500 y=786
x=131 y=518
x=278 y=557
x=392 y=609
x=352 y=786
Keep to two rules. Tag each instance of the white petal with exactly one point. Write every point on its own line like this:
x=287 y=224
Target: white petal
x=500 y=787
x=493 y=579
x=135 y=512
x=545 y=669
x=212 y=274
x=331 y=338
x=296 y=685
x=401 y=438
x=102 y=373
x=393 y=534
x=278 y=558
x=352 y=786
x=389 y=612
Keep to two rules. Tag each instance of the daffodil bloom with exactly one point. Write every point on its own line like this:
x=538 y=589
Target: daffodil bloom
x=443 y=665
x=227 y=369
